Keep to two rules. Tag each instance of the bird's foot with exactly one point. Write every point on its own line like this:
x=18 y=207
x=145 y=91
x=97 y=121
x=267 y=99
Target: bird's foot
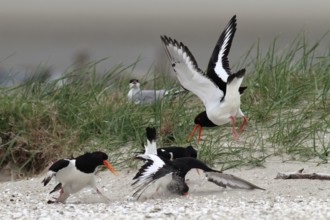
x=241 y=128
x=51 y=201
x=233 y=129
x=56 y=200
x=235 y=135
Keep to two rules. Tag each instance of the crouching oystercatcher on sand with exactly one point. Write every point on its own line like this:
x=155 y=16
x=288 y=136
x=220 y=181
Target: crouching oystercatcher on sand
x=138 y=96
x=76 y=174
x=218 y=88
x=171 y=174
x=169 y=153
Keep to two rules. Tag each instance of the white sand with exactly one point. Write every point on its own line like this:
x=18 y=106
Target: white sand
x=283 y=199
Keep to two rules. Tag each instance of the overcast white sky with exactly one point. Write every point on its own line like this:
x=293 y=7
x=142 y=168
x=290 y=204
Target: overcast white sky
x=51 y=31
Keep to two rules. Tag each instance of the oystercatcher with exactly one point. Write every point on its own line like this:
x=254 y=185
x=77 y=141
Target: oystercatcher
x=76 y=174
x=169 y=153
x=218 y=88
x=138 y=96
x=157 y=168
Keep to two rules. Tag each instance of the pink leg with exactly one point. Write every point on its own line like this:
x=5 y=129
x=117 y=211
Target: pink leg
x=241 y=128
x=61 y=198
x=199 y=134
x=235 y=136
x=61 y=193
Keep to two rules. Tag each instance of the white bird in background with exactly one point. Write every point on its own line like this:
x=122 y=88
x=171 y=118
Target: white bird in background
x=138 y=96
x=218 y=88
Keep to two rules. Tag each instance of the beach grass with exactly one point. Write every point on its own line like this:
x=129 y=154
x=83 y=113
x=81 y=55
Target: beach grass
x=287 y=104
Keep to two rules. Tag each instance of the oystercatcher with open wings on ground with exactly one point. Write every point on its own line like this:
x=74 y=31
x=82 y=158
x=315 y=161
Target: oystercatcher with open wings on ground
x=174 y=172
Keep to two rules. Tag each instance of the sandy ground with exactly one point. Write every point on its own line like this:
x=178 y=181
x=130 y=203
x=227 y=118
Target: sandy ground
x=283 y=199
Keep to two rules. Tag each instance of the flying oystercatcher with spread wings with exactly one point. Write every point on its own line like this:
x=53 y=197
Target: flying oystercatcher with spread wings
x=156 y=168
x=76 y=174
x=218 y=88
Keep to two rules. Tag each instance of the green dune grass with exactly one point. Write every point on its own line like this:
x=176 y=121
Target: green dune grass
x=287 y=104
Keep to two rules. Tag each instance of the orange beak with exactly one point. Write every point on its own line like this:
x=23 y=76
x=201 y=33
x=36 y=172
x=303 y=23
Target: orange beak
x=108 y=165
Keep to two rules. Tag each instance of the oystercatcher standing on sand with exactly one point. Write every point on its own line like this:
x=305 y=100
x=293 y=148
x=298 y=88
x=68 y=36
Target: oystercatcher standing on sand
x=218 y=88
x=76 y=174
x=157 y=168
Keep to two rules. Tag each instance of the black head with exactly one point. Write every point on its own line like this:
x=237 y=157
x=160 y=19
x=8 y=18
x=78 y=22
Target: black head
x=191 y=152
x=134 y=81
x=203 y=120
x=88 y=162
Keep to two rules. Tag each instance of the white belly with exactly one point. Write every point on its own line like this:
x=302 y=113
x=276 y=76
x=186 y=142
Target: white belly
x=74 y=180
x=221 y=113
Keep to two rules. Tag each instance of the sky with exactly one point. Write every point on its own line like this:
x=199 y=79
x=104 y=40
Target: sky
x=51 y=32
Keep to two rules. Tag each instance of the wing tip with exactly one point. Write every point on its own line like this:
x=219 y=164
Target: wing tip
x=169 y=41
x=151 y=134
x=231 y=181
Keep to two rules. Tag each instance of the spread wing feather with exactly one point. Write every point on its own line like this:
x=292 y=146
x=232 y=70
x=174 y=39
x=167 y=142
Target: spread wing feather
x=224 y=180
x=189 y=74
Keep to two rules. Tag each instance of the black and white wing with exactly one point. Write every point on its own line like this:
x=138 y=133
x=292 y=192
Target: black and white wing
x=153 y=169
x=224 y=180
x=54 y=168
x=218 y=69
x=189 y=74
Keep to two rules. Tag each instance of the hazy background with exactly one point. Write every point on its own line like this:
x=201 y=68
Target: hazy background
x=50 y=32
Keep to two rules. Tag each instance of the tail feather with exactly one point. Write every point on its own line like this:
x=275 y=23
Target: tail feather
x=240 y=74
x=234 y=82
x=242 y=89
x=48 y=177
